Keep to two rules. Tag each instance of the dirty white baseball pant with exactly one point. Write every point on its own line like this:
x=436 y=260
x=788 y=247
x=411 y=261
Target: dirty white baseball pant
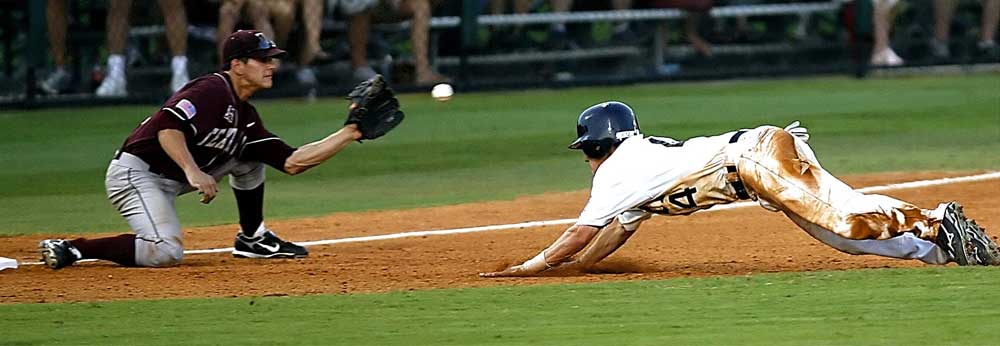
x=146 y=200
x=784 y=174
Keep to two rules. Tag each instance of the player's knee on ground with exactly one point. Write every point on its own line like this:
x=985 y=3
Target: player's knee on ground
x=163 y=253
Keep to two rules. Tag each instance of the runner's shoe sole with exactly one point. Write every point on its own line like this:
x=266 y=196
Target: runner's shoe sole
x=245 y=254
x=984 y=250
x=952 y=236
x=266 y=245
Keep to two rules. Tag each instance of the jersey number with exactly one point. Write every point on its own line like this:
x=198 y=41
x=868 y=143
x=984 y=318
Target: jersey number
x=684 y=199
x=666 y=143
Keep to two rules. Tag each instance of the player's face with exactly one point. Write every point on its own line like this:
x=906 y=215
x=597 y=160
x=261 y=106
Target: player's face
x=593 y=163
x=260 y=71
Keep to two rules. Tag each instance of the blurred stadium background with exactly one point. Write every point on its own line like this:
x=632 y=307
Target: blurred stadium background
x=484 y=51
x=489 y=146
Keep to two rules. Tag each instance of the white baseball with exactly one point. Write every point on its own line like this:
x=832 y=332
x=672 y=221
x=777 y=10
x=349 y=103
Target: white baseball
x=442 y=92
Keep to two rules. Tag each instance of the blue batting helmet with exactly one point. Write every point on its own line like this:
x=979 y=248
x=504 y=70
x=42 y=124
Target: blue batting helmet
x=604 y=126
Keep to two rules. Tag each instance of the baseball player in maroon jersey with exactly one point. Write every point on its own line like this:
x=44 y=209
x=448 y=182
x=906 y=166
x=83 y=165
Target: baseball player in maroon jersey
x=636 y=176
x=205 y=131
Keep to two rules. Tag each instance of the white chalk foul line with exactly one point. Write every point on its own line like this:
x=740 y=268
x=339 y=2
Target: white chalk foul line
x=412 y=234
x=899 y=186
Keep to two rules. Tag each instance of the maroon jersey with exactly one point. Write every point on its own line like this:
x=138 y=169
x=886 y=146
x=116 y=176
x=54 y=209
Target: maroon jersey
x=216 y=124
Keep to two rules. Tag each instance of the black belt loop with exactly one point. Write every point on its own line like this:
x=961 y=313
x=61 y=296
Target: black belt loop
x=736 y=136
x=734 y=180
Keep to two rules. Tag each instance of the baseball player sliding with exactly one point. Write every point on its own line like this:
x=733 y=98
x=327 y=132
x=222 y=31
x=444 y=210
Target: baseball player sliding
x=205 y=131
x=636 y=176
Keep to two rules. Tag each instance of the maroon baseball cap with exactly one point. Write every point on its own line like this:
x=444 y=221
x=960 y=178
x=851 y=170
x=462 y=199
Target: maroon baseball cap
x=249 y=44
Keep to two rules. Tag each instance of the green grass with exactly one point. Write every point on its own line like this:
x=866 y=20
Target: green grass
x=937 y=306
x=490 y=146
x=500 y=145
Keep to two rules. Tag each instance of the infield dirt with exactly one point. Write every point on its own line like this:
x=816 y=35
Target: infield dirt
x=731 y=242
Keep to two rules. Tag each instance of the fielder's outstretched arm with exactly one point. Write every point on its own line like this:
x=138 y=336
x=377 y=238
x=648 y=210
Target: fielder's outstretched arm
x=315 y=153
x=569 y=243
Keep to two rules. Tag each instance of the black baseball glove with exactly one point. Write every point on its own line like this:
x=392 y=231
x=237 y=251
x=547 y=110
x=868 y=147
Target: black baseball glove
x=374 y=108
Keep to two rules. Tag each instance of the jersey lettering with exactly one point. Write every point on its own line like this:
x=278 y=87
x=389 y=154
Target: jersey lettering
x=222 y=139
x=687 y=194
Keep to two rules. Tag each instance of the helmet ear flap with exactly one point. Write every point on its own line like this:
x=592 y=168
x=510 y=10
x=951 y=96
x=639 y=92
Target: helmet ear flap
x=597 y=149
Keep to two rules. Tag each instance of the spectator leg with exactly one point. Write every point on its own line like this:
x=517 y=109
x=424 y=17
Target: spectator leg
x=118 y=13
x=943 y=12
x=561 y=6
x=115 y=83
x=882 y=53
x=420 y=11
x=990 y=18
x=283 y=15
x=260 y=14
x=312 y=22
x=175 y=20
x=55 y=16
x=621 y=5
x=881 y=26
x=497 y=6
x=229 y=15
x=699 y=44
x=357 y=37
x=522 y=6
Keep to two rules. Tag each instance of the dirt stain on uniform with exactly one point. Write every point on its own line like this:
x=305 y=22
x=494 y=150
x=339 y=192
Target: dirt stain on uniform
x=881 y=226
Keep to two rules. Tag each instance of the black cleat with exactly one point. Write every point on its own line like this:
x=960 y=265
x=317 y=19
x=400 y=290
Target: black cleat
x=964 y=241
x=986 y=252
x=58 y=253
x=268 y=245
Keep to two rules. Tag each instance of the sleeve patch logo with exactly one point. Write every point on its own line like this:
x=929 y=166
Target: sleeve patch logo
x=187 y=107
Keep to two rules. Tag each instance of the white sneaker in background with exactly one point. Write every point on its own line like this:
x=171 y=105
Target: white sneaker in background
x=306 y=76
x=178 y=64
x=178 y=81
x=887 y=58
x=940 y=49
x=112 y=86
x=364 y=73
x=57 y=81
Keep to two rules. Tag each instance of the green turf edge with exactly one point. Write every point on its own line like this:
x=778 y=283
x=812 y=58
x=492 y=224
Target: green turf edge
x=928 y=305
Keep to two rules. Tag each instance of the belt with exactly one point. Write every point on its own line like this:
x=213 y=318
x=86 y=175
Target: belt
x=734 y=179
x=732 y=176
x=129 y=160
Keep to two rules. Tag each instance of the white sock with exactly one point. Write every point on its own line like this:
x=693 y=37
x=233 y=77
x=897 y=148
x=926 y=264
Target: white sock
x=179 y=64
x=116 y=66
x=260 y=230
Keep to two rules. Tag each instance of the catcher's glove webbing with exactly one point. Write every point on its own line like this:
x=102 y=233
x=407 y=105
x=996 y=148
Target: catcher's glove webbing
x=374 y=108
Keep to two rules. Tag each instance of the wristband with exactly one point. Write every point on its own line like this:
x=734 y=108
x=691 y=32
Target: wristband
x=536 y=263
